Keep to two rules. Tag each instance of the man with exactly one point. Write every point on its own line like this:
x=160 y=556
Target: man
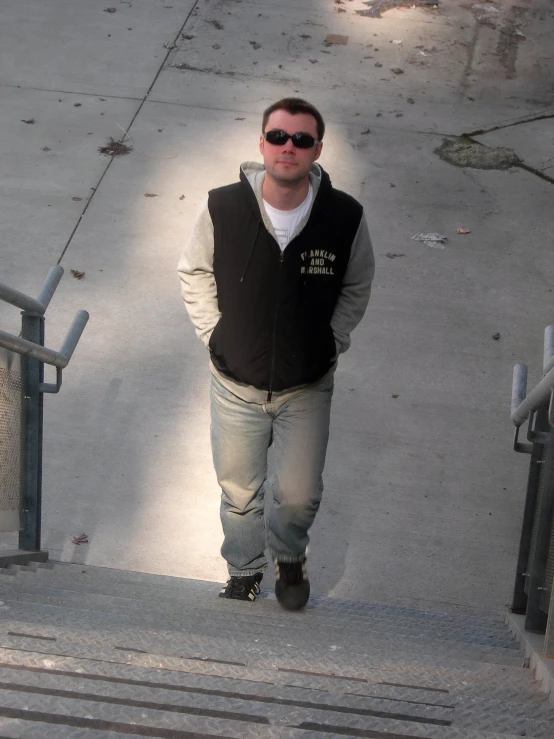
x=275 y=275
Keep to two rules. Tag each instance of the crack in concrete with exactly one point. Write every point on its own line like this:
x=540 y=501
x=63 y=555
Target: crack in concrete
x=133 y=119
x=518 y=122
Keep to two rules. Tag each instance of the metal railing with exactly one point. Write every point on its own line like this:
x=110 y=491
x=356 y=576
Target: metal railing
x=22 y=385
x=534 y=584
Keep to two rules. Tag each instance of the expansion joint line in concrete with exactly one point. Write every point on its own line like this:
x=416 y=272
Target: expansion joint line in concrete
x=133 y=119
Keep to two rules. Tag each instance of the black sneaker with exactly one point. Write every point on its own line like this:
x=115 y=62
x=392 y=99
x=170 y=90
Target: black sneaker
x=242 y=588
x=292 y=587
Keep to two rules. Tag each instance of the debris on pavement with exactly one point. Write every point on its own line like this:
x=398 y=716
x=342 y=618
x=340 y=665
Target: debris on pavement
x=255 y=45
x=182 y=197
x=496 y=336
x=114 y=148
x=77 y=274
x=393 y=255
x=368 y=130
x=76 y=199
x=376 y=7
x=30 y=120
x=397 y=70
x=216 y=24
x=313 y=61
x=395 y=395
x=46 y=148
x=463 y=152
x=397 y=41
x=434 y=240
x=240 y=119
x=378 y=64
x=462 y=230
x=110 y=10
x=150 y=195
x=335 y=38
x=216 y=46
x=81 y=539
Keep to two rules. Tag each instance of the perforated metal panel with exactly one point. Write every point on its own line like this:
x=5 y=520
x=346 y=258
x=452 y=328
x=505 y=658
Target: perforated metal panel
x=10 y=441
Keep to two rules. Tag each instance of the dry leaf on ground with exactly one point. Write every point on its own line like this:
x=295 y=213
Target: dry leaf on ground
x=81 y=539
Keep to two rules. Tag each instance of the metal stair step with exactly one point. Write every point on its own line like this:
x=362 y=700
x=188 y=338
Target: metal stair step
x=220 y=718
x=72 y=592
x=129 y=646
x=175 y=638
x=118 y=582
x=276 y=702
x=216 y=620
x=204 y=675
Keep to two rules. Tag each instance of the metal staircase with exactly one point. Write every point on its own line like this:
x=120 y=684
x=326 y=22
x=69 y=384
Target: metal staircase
x=92 y=652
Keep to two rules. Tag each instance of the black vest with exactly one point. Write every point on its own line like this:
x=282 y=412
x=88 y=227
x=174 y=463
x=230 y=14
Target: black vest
x=276 y=307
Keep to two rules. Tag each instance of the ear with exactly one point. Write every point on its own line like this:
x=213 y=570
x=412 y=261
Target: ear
x=318 y=149
x=262 y=141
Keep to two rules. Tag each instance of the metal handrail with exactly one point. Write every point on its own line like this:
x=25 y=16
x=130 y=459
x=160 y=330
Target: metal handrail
x=523 y=404
x=548 y=362
x=34 y=305
x=48 y=356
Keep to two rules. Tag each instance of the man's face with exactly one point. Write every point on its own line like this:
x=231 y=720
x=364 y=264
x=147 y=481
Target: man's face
x=285 y=163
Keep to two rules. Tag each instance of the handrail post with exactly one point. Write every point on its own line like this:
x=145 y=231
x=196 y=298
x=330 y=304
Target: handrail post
x=32 y=329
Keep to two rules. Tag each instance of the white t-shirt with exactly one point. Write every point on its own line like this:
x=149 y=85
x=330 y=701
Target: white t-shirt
x=284 y=222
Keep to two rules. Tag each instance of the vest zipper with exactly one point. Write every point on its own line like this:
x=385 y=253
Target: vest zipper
x=272 y=362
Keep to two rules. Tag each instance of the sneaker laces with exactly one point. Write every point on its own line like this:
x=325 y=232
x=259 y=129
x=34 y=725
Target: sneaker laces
x=237 y=586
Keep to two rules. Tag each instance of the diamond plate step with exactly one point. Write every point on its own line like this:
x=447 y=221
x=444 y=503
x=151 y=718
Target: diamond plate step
x=215 y=621
x=431 y=706
x=118 y=582
x=222 y=717
x=58 y=623
x=257 y=619
x=83 y=640
x=494 y=635
x=379 y=685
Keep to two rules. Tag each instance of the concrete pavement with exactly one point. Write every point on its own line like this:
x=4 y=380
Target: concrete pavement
x=424 y=494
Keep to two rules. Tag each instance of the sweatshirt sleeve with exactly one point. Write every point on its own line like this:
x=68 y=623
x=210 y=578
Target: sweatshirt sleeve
x=355 y=289
x=196 y=272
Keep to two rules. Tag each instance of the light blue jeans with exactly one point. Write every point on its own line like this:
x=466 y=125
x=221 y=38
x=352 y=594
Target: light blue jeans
x=297 y=426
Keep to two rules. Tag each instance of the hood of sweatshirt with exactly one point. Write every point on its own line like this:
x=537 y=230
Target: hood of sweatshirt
x=252 y=174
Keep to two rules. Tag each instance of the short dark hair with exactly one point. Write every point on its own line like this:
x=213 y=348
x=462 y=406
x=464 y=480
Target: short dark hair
x=295 y=106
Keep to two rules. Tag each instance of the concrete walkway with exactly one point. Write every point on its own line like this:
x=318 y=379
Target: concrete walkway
x=424 y=494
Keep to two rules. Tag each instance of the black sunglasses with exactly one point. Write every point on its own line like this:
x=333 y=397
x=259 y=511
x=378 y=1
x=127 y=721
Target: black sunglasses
x=280 y=138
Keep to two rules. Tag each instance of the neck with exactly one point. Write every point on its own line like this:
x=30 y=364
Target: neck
x=284 y=195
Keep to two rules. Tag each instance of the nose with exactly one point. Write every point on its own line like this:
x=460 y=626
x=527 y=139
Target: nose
x=288 y=146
